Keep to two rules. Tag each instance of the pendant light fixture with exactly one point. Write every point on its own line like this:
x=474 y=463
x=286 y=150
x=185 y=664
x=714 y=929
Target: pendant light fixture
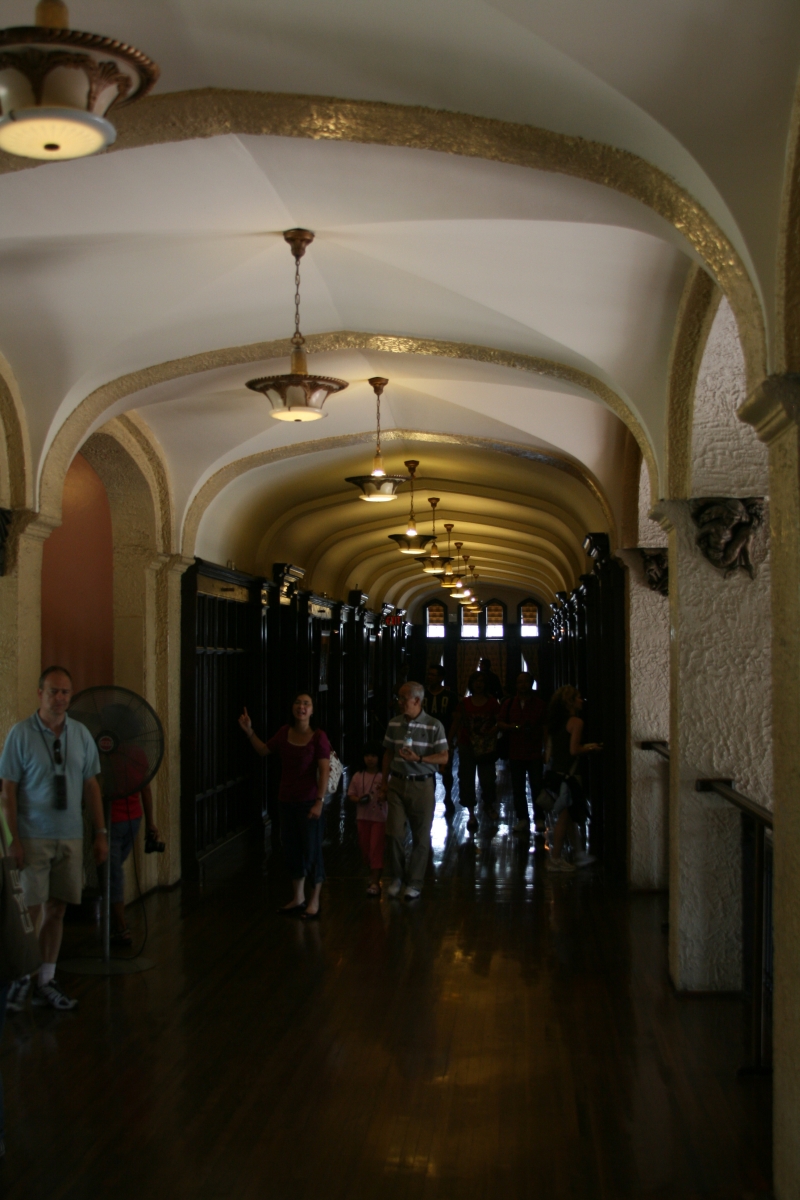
x=460 y=592
x=412 y=542
x=433 y=563
x=379 y=487
x=297 y=396
x=57 y=85
x=452 y=581
x=446 y=578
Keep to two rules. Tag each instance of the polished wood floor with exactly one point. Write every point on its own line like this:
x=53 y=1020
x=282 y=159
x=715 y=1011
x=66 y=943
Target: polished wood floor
x=512 y=1035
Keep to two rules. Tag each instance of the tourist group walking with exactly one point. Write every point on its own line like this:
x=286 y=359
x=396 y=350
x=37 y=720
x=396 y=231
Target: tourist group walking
x=393 y=787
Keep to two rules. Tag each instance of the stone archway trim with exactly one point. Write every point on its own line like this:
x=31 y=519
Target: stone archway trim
x=72 y=433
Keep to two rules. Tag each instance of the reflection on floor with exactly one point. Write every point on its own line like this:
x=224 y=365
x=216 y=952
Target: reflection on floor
x=512 y=1034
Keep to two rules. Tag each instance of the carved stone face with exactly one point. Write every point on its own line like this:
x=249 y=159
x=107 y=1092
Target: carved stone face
x=726 y=526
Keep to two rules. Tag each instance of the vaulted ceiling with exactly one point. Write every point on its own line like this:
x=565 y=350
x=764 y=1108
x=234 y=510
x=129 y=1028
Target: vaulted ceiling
x=523 y=305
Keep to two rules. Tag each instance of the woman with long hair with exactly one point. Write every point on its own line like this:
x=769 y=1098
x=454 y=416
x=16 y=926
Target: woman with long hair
x=305 y=755
x=565 y=734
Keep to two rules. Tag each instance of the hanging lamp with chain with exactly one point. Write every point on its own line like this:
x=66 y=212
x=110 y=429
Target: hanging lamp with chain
x=433 y=563
x=411 y=542
x=297 y=396
x=57 y=86
x=379 y=487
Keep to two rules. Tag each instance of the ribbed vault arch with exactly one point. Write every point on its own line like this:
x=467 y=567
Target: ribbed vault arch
x=211 y=112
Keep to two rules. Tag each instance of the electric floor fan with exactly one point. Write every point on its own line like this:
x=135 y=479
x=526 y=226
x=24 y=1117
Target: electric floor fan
x=130 y=740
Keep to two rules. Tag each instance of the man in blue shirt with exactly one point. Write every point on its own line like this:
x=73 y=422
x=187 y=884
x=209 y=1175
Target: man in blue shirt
x=48 y=766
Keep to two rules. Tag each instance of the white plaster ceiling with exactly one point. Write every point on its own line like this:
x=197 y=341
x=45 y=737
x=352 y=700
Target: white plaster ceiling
x=117 y=263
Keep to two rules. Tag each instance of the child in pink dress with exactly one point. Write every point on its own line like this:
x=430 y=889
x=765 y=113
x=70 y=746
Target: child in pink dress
x=371 y=815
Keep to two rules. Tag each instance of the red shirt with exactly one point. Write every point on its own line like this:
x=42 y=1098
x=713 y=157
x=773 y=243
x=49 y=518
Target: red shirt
x=129 y=809
x=527 y=741
x=476 y=720
x=298 y=765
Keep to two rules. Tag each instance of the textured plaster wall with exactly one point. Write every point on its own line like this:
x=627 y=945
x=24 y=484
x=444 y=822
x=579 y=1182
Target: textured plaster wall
x=720 y=719
x=727 y=457
x=648 y=642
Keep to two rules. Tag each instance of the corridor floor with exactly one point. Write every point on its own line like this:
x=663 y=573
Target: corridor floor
x=511 y=1035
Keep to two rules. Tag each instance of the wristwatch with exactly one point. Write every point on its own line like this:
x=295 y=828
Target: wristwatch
x=103 y=831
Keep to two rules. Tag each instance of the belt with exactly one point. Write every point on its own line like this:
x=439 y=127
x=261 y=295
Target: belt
x=413 y=778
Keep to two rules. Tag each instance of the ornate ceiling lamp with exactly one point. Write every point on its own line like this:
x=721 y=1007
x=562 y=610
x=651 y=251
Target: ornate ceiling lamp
x=297 y=396
x=412 y=542
x=378 y=486
x=57 y=85
x=453 y=580
x=433 y=563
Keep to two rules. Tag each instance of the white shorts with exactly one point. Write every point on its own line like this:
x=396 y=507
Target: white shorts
x=53 y=870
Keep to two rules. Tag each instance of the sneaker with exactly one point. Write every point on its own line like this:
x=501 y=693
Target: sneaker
x=561 y=864
x=394 y=889
x=472 y=824
x=412 y=893
x=584 y=860
x=52 y=995
x=523 y=825
x=18 y=994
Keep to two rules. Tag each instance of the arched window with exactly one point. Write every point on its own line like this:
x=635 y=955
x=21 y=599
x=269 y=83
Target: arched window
x=528 y=618
x=435 y=619
x=470 y=626
x=495 y=618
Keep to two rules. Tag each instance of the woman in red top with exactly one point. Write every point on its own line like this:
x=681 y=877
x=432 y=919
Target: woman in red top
x=305 y=755
x=476 y=726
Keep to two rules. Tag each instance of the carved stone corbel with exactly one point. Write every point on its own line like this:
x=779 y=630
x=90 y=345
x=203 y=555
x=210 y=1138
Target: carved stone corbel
x=656 y=570
x=726 y=526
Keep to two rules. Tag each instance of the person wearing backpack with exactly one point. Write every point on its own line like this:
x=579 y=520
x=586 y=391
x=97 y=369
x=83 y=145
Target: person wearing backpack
x=305 y=755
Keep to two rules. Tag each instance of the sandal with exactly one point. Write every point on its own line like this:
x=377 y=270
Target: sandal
x=374 y=889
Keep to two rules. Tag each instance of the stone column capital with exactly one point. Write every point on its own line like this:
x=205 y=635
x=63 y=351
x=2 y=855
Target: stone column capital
x=774 y=406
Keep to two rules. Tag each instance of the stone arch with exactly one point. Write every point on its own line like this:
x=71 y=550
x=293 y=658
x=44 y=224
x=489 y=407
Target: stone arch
x=71 y=434
x=146 y=614
x=786 y=356
x=16 y=481
x=212 y=112
x=696 y=313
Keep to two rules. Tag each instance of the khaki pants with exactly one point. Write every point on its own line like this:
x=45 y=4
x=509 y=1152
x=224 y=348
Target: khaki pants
x=410 y=800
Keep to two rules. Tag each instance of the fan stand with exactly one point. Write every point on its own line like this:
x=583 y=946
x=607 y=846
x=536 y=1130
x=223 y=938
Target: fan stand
x=106 y=965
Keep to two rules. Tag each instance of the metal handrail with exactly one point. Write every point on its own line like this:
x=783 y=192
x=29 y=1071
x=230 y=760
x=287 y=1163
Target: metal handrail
x=661 y=748
x=762 y=820
x=724 y=788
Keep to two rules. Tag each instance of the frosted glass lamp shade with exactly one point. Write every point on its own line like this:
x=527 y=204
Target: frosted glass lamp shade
x=57 y=87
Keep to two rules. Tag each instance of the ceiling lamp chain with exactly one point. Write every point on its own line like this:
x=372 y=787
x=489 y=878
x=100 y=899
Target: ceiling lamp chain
x=448 y=580
x=411 y=542
x=297 y=396
x=378 y=486
x=433 y=563
x=57 y=86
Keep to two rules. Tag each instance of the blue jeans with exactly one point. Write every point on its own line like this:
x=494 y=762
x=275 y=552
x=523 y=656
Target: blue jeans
x=3 y=995
x=301 y=840
x=123 y=835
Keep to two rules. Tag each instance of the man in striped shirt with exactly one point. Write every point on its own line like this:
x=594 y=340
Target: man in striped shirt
x=415 y=745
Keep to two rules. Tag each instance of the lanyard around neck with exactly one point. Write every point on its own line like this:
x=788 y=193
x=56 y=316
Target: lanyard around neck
x=49 y=748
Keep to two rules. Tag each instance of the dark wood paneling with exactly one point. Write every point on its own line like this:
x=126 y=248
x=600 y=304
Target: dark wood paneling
x=222 y=781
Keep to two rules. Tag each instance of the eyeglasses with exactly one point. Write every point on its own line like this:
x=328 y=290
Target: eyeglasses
x=57 y=759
